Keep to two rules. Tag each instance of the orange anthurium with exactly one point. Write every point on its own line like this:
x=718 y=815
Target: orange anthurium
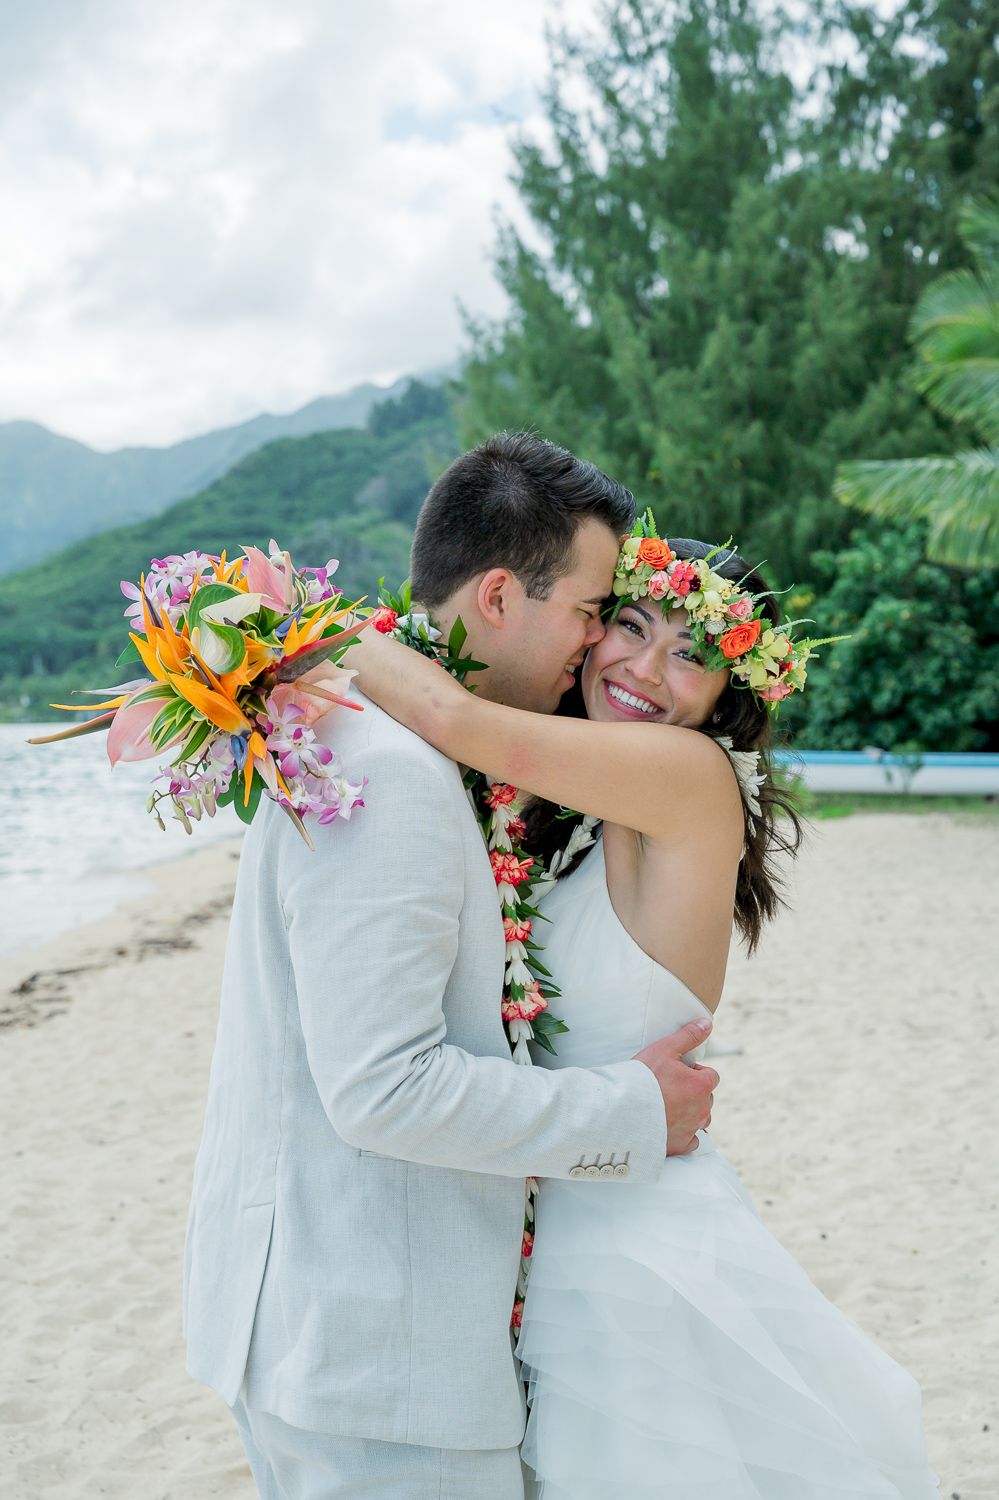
x=216 y=708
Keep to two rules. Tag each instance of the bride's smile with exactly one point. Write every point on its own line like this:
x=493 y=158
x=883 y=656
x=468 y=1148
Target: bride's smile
x=644 y=669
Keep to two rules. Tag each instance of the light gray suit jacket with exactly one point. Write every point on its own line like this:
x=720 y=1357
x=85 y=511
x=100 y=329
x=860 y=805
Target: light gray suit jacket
x=355 y=1225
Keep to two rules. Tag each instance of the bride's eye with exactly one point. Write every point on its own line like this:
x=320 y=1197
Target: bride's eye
x=631 y=625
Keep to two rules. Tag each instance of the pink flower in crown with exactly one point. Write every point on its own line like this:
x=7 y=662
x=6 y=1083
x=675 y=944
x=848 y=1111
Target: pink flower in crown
x=682 y=578
x=658 y=586
x=741 y=608
x=500 y=794
x=508 y=869
x=517 y=932
x=527 y=1244
x=518 y=1314
x=775 y=691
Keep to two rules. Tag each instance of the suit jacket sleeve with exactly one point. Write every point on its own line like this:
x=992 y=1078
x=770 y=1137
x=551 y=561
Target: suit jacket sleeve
x=373 y=922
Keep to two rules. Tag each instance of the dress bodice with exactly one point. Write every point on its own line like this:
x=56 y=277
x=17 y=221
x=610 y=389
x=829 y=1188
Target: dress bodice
x=615 y=999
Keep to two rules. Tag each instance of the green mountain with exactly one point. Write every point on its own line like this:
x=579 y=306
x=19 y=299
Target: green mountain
x=55 y=490
x=351 y=494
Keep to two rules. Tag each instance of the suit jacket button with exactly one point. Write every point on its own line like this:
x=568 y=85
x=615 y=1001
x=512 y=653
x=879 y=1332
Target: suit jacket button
x=577 y=1172
x=621 y=1171
x=593 y=1171
x=607 y=1170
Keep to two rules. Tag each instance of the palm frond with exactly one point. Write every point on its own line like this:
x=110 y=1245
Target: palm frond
x=978 y=223
x=958 y=496
x=955 y=328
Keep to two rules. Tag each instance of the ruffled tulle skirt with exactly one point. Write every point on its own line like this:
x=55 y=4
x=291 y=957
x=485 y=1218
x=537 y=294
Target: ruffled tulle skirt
x=674 y=1349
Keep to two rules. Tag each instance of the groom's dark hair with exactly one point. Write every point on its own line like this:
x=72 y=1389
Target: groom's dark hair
x=514 y=502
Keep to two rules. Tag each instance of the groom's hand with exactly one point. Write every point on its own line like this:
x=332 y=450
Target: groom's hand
x=687 y=1088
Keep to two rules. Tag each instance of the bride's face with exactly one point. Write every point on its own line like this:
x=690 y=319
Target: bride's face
x=645 y=668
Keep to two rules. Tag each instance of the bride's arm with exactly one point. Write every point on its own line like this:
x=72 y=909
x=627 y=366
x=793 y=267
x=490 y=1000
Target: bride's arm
x=660 y=780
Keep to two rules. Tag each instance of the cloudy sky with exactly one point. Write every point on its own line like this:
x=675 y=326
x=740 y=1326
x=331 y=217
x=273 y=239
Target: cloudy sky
x=218 y=207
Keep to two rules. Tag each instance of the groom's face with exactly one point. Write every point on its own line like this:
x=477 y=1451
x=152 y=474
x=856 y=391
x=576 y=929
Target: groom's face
x=548 y=639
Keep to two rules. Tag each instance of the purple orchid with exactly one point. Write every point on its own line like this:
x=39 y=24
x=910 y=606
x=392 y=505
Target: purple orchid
x=169 y=585
x=310 y=770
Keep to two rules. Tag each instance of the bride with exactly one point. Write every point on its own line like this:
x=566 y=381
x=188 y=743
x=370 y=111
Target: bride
x=672 y=1348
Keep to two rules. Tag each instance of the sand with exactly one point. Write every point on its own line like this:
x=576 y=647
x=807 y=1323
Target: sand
x=859 y=1098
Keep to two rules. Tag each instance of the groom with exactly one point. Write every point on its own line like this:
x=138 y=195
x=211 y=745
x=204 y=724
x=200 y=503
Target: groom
x=355 y=1226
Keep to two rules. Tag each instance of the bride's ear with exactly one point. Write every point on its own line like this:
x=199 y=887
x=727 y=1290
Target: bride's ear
x=496 y=597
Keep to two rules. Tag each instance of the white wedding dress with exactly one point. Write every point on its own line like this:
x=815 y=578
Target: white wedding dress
x=672 y=1347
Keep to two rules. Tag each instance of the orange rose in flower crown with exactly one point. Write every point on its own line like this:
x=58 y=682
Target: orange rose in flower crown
x=740 y=639
x=655 y=552
x=729 y=626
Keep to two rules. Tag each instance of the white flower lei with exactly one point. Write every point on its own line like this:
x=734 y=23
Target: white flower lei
x=746 y=765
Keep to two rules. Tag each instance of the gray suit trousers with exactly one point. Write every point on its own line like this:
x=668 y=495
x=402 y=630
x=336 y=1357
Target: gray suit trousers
x=290 y=1463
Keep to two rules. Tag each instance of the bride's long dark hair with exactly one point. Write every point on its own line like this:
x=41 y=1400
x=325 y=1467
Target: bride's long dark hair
x=741 y=716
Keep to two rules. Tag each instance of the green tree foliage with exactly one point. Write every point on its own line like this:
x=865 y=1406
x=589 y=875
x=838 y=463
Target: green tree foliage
x=956 y=332
x=921 y=667
x=725 y=254
x=349 y=494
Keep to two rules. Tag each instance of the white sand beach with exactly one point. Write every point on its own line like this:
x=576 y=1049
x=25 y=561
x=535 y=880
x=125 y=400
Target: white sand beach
x=861 y=1107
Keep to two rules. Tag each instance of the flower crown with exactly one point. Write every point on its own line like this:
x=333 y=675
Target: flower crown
x=728 y=626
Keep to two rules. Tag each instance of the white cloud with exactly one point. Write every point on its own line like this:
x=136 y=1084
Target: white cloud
x=214 y=208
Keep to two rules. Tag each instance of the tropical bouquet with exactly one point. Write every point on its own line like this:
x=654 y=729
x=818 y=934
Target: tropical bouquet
x=241 y=661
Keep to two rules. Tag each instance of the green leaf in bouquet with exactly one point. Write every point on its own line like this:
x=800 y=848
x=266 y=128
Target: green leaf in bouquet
x=153 y=691
x=208 y=594
x=130 y=653
x=200 y=733
x=246 y=810
x=169 y=722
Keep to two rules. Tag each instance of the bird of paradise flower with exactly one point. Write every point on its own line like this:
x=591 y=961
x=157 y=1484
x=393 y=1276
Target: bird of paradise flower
x=251 y=650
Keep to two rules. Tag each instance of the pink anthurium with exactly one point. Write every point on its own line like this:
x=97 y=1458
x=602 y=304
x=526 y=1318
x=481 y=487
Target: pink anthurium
x=316 y=692
x=264 y=579
x=128 y=737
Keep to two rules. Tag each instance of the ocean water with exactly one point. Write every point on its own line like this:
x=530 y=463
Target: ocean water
x=74 y=834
